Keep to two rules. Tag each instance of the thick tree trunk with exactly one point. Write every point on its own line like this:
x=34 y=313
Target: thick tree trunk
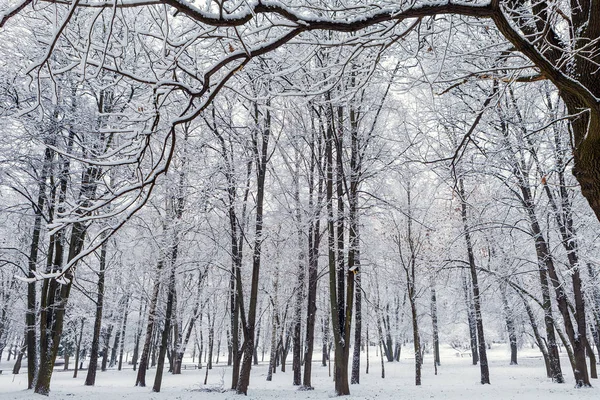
x=340 y=311
x=30 y=316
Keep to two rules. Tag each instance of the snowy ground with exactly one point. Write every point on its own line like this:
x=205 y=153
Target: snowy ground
x=456 y=379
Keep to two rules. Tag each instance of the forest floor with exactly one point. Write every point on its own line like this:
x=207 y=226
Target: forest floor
x=456 y=379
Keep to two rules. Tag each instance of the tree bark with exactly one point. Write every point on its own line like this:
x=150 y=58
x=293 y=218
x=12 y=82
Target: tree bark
x=435 y=329
x=314 y=239
x=510 y=326
x=123 y=331
x=483 y=363
x=90 y=378
x=78 y=348
x=143 y=367
x=261 y=155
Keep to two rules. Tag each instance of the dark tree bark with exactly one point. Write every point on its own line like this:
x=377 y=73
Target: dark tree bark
x=143 y=367
x=314 y=240
x=545 y=263
x=191 y=323
x=164 y=338
x=408 y=260
x=541 y=343
x=354 y=239
x=30 y=316
x=261 y=156
x=300 y=278
x=483 y=363
x=19 y=356
x=236 y=233
x=56 y=290
x=341 y=311
x=90 y=378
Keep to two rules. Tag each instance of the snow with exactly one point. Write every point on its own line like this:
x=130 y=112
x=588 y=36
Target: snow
x=456 y=379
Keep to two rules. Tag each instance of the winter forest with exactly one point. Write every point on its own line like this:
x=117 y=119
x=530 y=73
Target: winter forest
x=303 y=199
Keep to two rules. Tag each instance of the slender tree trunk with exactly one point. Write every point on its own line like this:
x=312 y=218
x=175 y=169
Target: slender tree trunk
x=273 y=352
x=143 y=367
x=78 y=348
x=106 y=347
x=434 y=323
x=90 y=378
x=470 y=319
x=123 y=331
x=171 y=295
x=510 y=326
x=19 y=356
x=261 y=154
x=300 y=278
x=314 y=239
x=483 y=363
x=326 y=339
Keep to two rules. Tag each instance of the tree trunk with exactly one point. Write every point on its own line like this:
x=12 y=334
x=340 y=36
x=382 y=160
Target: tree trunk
x=261 y=156
x=483 y=363
x=143 y=367
x=109 y=332
x=30 y=315
x=90 y=378
x=171 y=299
x=314 y=239
x=78 y=348
x=540 y=341
x=510 y=326
x=434 y=322
x=123 y=330
x=471 y=320
x=138 y=336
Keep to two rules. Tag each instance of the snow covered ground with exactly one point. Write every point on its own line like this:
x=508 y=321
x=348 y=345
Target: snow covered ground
x=456 y=379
